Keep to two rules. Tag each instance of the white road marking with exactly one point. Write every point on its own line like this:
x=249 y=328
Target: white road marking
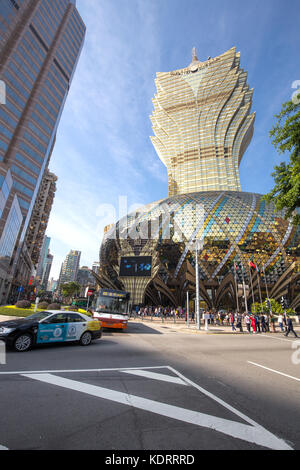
x=66 y=371
x=254 y=433
x=155 y=376
x=3 y=448
x=275 y=371
x=276 y=337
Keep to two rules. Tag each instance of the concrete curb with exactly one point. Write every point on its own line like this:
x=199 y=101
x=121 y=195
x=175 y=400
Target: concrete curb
x=192 y=329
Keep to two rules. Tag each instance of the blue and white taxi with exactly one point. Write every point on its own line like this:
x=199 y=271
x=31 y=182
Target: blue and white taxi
x=49 y=326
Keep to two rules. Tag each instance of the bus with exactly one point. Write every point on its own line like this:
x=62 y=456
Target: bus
x=111 y=308
x=80 y=302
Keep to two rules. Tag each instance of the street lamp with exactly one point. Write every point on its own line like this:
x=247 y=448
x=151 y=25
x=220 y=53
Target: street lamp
x=198 y=246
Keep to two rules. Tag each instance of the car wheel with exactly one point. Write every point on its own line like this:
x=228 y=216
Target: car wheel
x=23 y=343
x=86 y=338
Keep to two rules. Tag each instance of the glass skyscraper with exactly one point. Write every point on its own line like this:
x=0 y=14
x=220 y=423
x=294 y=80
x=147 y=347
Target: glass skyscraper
x=70 y=267
x=202 y=123
x=40 y=44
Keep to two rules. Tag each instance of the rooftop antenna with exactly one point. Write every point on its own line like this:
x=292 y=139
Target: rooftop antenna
x=194 y=52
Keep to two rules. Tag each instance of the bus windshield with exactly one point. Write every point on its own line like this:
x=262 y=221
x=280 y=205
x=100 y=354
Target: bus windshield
x=111 y=305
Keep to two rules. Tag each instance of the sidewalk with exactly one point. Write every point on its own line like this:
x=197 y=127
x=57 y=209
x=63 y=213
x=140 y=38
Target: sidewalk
x=182 y=327
x=6 y=318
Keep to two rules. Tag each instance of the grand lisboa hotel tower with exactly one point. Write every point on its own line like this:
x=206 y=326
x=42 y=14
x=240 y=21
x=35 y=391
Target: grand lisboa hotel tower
x=202 y=125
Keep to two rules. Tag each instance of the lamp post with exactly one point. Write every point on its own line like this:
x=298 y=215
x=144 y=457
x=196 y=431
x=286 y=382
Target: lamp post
x=198 y=245
x=187 y=310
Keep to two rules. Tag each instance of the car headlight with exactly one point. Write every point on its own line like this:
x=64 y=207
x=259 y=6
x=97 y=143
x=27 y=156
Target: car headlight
x=5 y=331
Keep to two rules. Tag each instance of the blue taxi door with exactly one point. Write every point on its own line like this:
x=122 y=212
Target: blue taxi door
x=53 y=330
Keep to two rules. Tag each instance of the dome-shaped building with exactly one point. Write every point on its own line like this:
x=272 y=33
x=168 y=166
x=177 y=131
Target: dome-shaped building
x=203 y=126
x=233 y=228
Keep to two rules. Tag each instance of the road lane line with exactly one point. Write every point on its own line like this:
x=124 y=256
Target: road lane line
x=3 y=448
x=280 y=339
x=253 y=434
x=65 y=371
x=275 y=371
x=156 y=376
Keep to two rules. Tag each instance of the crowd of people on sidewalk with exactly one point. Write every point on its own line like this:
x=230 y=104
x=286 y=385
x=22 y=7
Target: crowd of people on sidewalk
x=252 y=322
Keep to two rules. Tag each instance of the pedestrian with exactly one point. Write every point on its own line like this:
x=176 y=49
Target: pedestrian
x=257 y=324
x=285 y=321
x=280 y=322
x=273 y=320
x=239 y=322
x=252 y=318
x=263 y=324
x=267 y=323
x=248 y=323
x=290 y=327
x=232 y=321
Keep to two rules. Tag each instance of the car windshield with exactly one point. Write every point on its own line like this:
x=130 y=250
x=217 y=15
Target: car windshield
x=38 y=316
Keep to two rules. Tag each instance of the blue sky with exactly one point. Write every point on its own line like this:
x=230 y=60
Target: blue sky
x=103 y=150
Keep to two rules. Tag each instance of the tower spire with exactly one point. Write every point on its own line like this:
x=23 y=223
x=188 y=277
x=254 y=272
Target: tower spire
x=194 y=53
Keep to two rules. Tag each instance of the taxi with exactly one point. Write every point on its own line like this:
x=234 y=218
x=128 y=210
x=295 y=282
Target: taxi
x=48 y=327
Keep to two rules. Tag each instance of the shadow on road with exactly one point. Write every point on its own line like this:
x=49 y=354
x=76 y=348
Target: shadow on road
x=139 y=328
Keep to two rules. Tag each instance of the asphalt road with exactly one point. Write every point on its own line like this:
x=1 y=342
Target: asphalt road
x=154 y=387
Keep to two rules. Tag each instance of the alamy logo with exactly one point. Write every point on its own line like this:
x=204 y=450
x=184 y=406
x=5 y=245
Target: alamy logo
x=296 y=94
x=296 y=354
x=2 y=92
x=2 y=353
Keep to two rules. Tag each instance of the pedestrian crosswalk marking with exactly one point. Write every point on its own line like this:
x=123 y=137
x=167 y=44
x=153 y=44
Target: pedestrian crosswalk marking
x=252 y=433
x=156 y=376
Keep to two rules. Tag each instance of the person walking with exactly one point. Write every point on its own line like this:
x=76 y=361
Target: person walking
x=285 y=321
x=257 y=324
x=232 y=321
x=252 y=318
x=263 y=324
x=239 y=322
x=273 y=320
x=267 y=320
x=280 y=322
x=290 y=327
x=248 y=323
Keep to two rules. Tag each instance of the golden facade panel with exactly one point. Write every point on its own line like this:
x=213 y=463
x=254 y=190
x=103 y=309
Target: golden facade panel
x=203 y=112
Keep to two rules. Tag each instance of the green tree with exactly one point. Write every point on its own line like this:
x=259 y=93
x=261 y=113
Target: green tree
x=70 y=288
x=286 y=138
x=256 y=308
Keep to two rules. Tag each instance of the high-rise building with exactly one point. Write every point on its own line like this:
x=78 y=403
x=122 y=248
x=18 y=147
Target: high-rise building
x=85 y=278
x=52 y=284
x=202 y=123
x=95 y=267
x=70 y=267
x=40 y=216
x=42 y=258
x=46 y=272
x=40 y=44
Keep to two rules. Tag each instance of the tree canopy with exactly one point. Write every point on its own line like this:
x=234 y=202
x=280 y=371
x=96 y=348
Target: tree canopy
x=70 y=288
x=286 y=138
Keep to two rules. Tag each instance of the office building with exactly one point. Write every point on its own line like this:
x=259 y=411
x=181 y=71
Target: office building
x=46 y=271
x=40 y=44
x=70 y=267
x=86 y=279
x=40 y=216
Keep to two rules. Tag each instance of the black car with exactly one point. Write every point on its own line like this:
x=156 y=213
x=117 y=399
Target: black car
x=49 y=327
